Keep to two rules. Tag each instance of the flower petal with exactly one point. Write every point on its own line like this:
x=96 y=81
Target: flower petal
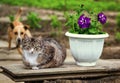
x=102 y=18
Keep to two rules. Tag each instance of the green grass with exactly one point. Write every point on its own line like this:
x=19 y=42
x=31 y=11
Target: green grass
x=117 y=36
x=68 y=5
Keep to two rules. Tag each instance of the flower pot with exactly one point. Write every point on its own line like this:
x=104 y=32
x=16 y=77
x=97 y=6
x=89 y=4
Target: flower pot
x=86 y=49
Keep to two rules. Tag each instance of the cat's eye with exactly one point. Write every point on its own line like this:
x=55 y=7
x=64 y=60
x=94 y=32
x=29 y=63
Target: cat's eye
x=16 y=33
x=36 y=48
x=24 y=46
x=28 y=47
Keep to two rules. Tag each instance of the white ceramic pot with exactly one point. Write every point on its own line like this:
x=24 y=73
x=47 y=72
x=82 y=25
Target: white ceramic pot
x=86 y=49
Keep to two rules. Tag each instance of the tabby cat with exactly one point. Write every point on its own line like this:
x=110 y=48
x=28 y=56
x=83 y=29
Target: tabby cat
x=42 y=53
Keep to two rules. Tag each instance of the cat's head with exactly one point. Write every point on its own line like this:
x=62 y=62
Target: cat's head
x=32 y=45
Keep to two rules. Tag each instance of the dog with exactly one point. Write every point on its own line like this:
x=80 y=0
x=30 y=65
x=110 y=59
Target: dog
x=16 y=31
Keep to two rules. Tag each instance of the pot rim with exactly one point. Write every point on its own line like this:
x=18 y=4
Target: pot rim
x=86 y=35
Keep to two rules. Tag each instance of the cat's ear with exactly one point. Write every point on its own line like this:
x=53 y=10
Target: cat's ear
x=26 y=36
x=39 y=38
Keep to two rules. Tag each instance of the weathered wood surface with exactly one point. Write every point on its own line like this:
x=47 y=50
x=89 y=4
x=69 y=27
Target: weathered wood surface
x=69 y=70
x=101 y=80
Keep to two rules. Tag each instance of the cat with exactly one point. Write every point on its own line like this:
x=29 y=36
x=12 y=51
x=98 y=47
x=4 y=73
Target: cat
x=42 y=53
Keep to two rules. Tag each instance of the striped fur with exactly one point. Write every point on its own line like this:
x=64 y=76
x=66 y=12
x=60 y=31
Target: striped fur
x=42 y=53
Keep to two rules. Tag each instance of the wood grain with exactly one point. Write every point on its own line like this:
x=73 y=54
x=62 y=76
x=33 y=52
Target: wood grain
x=104 y=68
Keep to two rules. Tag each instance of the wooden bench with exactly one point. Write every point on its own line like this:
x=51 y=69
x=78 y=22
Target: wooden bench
x=106 y=71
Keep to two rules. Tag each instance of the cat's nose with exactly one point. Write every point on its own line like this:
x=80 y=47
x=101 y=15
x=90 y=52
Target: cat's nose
x=31 y=51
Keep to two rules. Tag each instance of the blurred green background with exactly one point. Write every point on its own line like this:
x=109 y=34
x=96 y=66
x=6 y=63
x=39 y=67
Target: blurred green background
x=66 y=4
x=110 y=7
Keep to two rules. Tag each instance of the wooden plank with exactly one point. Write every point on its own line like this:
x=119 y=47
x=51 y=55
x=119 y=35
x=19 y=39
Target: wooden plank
x=62 y=76
x=69 y=67
x=69 y=70
x=101 y=80
x=5 y=79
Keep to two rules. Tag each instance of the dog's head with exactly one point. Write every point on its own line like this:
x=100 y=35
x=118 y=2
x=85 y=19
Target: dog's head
x=18 y=31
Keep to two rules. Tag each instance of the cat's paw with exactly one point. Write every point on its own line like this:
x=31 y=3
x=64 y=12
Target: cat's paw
x=35 y=68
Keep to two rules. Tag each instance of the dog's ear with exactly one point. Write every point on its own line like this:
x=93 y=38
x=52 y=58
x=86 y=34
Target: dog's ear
x=11 y=25
x=26 y=27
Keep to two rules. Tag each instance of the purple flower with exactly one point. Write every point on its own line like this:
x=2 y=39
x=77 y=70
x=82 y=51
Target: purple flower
x=83 y=22
x=102 y=18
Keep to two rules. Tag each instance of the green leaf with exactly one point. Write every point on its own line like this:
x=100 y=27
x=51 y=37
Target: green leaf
x=93 y=31
x=33 y=20
x=11 y=17
x=95 y=26
x=55 y=23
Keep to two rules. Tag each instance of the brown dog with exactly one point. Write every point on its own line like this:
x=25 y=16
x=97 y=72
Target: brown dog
x=17 y=30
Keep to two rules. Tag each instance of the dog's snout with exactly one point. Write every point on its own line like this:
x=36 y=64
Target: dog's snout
x=19 y=40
